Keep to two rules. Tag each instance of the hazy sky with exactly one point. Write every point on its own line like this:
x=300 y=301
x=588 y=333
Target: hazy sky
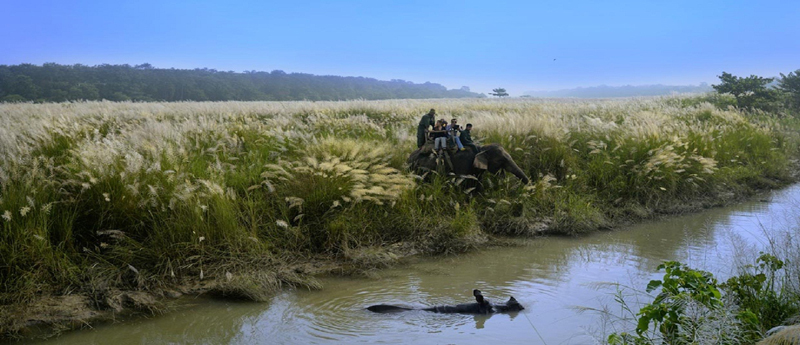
x=481 y=44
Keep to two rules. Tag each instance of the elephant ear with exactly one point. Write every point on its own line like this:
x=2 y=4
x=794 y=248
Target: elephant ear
x=481 y=162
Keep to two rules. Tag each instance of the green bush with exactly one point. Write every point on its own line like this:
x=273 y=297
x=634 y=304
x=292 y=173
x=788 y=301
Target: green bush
x=692 y=307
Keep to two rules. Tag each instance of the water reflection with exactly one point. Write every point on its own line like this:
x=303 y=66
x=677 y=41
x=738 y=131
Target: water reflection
x=549 y=277
x=197 y=321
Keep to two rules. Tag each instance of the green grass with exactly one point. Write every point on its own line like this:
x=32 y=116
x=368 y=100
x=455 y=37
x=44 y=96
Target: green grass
x=147 y=196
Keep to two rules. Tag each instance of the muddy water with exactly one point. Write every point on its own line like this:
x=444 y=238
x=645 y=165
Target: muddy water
x=552 y=277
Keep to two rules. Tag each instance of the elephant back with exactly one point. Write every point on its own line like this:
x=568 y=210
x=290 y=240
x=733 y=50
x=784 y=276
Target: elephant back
x=415 y=156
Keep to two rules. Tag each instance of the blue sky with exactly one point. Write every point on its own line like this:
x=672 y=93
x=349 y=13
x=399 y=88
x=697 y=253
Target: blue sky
x=480 y=44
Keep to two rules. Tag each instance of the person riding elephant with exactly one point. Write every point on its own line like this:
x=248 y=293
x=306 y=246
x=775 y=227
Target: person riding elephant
x=466 y=138
x=492 y=158
x=427 y=121
x=454 y=133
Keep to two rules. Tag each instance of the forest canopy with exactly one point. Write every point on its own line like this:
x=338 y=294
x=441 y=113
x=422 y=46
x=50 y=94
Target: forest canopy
x=52 y=82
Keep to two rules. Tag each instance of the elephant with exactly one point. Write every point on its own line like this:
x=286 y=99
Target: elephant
x=482 y=306
x=492 y=158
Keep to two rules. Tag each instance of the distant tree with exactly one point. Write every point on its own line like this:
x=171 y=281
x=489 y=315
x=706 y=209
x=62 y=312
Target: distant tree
x=118 y=97
x=790 y=84
x=23 y=86
x=749 y=91
x=13 y=99
x=83 y=91
x=499 y=92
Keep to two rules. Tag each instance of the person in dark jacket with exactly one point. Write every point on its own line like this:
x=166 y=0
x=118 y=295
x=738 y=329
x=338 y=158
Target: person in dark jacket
x=466 y=138
x=427 y=121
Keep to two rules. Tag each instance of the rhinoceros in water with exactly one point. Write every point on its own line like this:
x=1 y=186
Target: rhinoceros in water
x=481 y=306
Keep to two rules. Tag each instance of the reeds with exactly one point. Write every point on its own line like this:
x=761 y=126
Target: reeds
x=186 y=187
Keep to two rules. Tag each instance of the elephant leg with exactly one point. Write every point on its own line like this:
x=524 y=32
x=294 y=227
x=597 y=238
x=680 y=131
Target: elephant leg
x=448 y=161
x=472 y=185
x=441 y=166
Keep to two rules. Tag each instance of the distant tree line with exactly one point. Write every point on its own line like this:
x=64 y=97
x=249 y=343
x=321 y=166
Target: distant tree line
x=52 y=82
x=769 y=94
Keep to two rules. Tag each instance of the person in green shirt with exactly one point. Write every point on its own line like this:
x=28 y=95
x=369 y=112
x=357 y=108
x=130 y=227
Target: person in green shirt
x=426 y=122
x=466 y=138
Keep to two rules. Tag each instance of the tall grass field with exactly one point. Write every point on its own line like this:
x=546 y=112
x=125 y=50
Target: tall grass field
x=142 y=196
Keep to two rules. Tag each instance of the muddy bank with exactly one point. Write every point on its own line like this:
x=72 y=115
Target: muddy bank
x=50 y=315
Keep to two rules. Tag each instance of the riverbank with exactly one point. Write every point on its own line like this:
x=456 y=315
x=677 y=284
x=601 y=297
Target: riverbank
x=556 y=278
x=50 y=315
x=115 y=201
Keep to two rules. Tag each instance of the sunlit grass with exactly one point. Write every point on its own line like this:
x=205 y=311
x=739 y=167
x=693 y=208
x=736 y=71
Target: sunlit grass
x=185 y=188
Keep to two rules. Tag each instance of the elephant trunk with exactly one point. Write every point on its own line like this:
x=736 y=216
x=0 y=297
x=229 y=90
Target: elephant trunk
x=514 y=169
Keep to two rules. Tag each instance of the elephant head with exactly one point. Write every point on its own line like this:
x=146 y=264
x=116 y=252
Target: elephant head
x=492 y=158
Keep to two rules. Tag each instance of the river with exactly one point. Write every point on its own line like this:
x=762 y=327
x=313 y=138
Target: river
x=553 y=277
